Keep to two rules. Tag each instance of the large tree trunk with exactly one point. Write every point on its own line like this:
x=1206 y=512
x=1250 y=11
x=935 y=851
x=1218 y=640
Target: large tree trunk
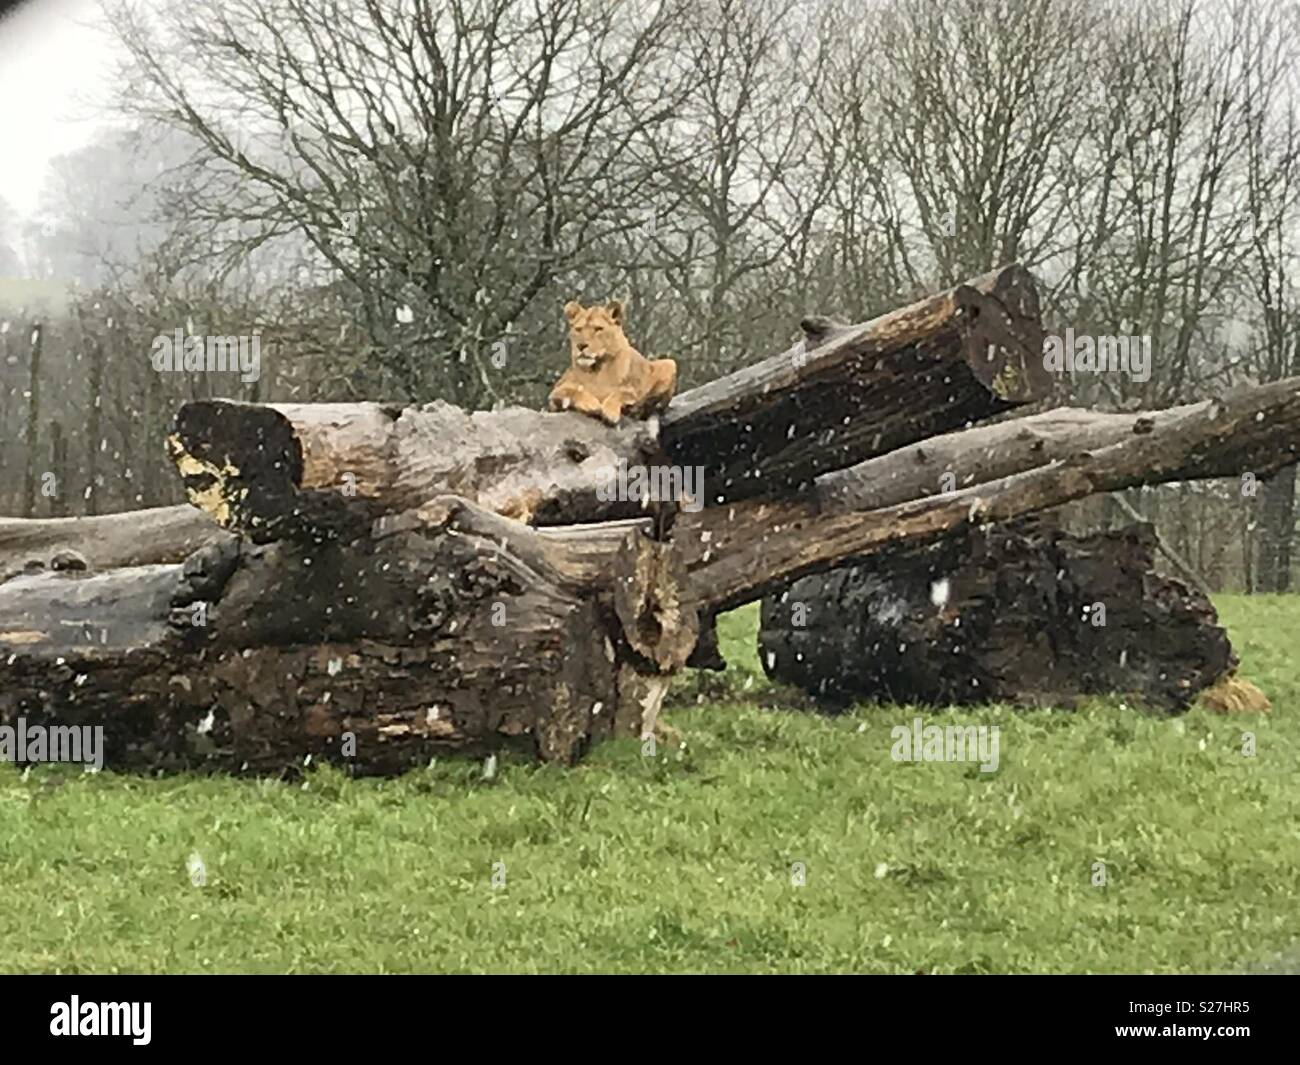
x=1023 y=614
x=738 y=553
x=136 y=538
x=266 y=470
x=845 y=393
x=841 y=395
x=446 y=629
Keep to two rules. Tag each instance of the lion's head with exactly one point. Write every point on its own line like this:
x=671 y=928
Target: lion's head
x=595 y=333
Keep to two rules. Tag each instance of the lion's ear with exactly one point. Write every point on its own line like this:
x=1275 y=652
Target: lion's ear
x=572 y=309
x=616 y=310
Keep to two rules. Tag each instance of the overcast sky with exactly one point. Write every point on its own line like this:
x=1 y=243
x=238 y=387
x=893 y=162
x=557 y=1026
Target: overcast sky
x=54 y=84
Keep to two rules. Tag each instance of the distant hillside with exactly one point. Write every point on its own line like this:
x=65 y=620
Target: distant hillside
x=30 y=296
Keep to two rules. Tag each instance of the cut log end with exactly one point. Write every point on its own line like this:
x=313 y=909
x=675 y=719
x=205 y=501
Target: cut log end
x=240 y=463
x=846 y=393
x=1003 y=337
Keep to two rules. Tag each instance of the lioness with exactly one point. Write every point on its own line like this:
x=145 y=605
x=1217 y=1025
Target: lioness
x=608 y=377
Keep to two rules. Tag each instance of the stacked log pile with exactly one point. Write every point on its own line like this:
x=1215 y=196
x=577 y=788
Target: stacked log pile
x=379 y=584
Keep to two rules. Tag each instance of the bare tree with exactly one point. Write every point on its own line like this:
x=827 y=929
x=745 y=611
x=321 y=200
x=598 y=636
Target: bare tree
x=981 y=108
x=1273 y=198
x=731 y=165
x=451 y=162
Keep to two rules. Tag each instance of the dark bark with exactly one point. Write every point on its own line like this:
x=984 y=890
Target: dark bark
x=445 y=629
x=845 y=393
x=1001 y=472
x=1023 y=614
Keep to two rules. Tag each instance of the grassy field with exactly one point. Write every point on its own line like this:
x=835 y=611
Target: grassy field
x=683 y=862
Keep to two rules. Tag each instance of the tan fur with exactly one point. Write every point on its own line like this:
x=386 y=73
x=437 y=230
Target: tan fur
x=1232 y=695
x=607 y=377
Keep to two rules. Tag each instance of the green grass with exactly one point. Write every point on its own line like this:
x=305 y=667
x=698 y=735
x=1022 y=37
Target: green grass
x=683 y=862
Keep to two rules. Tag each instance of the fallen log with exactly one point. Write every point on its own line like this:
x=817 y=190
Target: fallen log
x=845 y=393
x=271 y=471
x=347 y=618
x=738 y=553
x=1024 y=613
x=838 y=396
x=448 y=629
x=408 y=608
x=135 y=538
x=1250 y=431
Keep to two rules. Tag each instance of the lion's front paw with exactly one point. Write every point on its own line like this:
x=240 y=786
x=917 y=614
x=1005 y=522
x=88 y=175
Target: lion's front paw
x=611 y=411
